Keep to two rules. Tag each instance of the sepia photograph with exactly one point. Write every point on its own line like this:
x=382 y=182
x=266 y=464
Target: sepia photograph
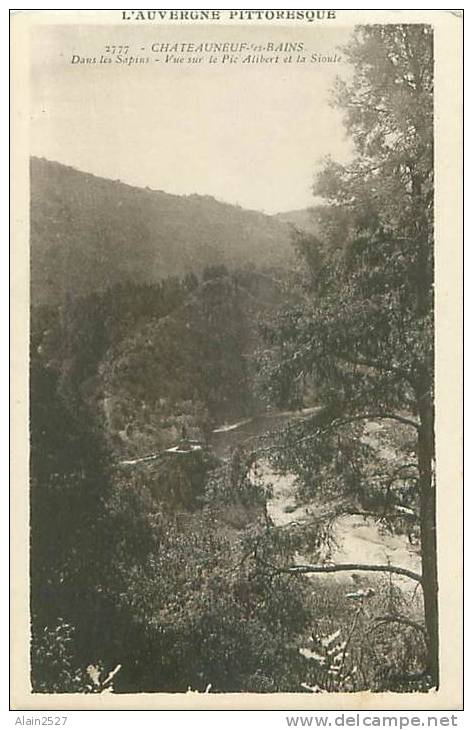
x=233 y=288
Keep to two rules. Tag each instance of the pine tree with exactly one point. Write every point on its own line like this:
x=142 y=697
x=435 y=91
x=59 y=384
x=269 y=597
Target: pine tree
x=364 y=334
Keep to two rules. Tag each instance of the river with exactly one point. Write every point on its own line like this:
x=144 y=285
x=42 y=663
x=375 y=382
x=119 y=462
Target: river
x=357 y=539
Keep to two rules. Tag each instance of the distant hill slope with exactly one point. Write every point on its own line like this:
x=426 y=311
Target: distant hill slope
x=88 y=233
x=305 y=219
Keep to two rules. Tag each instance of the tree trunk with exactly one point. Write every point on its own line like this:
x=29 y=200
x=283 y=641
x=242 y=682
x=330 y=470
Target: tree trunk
x=428 y=533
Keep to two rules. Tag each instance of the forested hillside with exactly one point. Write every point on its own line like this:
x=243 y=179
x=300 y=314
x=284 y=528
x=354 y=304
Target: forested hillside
x=151 y=359
x=89 y=233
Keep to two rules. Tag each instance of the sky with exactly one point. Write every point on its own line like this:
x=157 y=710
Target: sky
x=252 y=135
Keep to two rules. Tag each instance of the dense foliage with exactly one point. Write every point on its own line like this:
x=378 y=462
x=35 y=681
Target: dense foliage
x=149 y=569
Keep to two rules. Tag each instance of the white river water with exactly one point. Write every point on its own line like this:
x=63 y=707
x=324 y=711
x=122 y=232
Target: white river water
x=357 y=539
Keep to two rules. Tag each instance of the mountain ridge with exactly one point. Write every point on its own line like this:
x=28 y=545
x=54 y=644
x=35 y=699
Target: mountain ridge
x=89 y=233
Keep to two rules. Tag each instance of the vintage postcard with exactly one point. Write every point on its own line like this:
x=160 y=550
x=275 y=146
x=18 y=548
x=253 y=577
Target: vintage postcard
x=236 y=359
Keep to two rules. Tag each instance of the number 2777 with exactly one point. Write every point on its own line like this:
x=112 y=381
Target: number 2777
x=116 y=50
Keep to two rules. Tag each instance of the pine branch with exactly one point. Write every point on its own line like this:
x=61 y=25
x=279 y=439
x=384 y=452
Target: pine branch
x=383 y=415
x=344 y=567
x=403 y=620
x=337 y=423
x=395 y=477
